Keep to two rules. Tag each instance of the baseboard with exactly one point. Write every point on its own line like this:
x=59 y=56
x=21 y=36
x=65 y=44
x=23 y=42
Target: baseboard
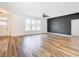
x=30 y=34
x=23 y=35
x=34 y=34
x=4 y=36
x=60 y=34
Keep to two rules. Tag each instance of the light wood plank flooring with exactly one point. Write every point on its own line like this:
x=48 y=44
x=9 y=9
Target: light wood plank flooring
x=42 y=45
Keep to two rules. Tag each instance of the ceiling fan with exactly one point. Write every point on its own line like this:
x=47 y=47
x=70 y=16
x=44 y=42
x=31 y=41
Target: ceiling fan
x=45 y=15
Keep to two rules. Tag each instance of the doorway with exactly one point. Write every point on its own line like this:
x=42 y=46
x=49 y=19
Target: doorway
x=75 y=27
x=4 y=23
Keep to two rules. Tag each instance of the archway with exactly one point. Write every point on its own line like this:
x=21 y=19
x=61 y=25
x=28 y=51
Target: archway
x=5 y=29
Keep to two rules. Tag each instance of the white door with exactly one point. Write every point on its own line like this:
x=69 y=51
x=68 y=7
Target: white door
x=75 y=27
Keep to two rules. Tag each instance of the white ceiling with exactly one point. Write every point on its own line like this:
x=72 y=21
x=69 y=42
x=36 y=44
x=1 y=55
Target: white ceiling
x=53 y=9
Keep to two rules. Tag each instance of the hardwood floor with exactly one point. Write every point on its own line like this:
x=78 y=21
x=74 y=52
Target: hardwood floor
x=42 y=45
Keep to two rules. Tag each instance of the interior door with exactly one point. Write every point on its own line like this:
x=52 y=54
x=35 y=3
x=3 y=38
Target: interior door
x=75 y=27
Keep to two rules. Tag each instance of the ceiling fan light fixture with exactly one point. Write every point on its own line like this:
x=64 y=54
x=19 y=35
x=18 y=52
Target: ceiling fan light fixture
x=3 y=12
x=45 y=15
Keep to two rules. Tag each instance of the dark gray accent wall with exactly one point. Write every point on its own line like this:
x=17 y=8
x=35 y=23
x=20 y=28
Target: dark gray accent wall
x=61 y=24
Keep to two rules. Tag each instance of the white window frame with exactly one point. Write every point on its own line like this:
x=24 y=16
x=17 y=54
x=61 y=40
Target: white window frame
x=3 y=21
x=30 y=25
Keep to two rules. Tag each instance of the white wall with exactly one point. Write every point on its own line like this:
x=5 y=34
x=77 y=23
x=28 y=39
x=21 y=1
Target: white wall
x=75 y=27
x=18 y=25
x=44 y=25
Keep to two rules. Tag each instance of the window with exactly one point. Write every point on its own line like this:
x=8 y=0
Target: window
x=3 y=21
x=32 y=25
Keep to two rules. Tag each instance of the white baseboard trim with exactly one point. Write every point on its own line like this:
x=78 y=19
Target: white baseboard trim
x=60 y=34
x=33 y=34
